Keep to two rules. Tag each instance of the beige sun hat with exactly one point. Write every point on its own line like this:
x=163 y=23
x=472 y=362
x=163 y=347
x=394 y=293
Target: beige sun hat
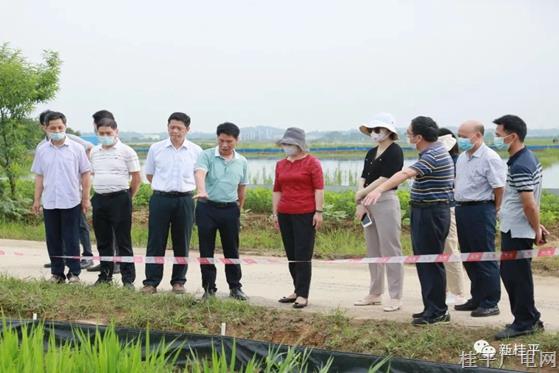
x=448 y=141
x=382 y=120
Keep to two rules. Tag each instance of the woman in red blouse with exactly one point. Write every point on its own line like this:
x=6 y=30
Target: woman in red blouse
x=297 y=209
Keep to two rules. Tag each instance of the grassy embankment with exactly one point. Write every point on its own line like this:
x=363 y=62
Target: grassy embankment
x=444 y=343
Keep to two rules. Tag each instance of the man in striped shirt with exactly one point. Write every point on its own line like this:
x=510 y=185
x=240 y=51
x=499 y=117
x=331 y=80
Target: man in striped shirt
x=520 y=224
x=431 y=195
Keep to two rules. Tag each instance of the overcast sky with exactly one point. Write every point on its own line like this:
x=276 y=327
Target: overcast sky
x=313 y=64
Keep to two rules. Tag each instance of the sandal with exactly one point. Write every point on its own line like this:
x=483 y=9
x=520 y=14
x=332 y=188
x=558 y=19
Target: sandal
x=301 y=304
x=287 y=299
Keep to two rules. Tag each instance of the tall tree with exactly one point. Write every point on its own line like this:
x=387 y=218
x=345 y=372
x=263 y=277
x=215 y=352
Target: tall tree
x=22 y=86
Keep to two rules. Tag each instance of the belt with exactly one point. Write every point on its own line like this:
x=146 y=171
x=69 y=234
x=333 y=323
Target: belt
x=220 y=205
x=474 y=203
x=114 y=194
x=172 y=194
x=429 y=204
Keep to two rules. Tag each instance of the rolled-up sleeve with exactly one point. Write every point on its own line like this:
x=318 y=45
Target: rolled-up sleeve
x=244 y=177
x=496 y=173
x=84 y=164
x=37 y=166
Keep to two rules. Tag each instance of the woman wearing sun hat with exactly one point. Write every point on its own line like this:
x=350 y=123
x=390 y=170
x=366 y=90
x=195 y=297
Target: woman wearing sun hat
x=297 y=204
x=383 y=235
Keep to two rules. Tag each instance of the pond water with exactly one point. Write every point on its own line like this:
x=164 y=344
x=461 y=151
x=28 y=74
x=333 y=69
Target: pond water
x=346 y=172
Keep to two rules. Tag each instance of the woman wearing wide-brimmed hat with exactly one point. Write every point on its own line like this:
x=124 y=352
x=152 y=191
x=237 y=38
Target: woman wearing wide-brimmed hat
x=297 y=204
x=383 y=235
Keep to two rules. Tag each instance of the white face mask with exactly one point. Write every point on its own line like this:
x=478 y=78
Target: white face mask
x=290 y=150
x=378 y=137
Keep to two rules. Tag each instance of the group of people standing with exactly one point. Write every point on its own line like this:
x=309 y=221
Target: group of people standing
x=454 y=200
x=460 y=188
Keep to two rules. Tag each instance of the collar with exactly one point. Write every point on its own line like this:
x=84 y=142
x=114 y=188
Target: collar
x=431 y=146
x=65 y=143
x=168 y=143
x=216 y=153
x=516 y=155
x=479 y=152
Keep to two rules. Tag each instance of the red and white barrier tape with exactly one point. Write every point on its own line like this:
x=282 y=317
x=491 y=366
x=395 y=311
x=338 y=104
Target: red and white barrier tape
x=411 y=259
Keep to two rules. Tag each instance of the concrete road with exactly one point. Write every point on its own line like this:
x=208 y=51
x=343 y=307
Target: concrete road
x=334 y=286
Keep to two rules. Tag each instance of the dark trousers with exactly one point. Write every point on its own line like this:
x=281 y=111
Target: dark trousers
x=210 y=219
x=517 y=278
x=112 y=223
x=429 y=228
x=84 y=236
x=177 y=213
x=62 y=228
x=476 y=233
x=298 y=233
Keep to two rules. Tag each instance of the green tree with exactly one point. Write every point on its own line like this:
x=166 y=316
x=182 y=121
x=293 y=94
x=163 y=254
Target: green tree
x=22 y=86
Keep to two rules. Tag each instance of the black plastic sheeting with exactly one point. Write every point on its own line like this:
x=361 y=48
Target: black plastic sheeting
x=246 y=349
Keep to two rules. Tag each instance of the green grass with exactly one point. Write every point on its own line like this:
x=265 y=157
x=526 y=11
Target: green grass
x=167 y=312
x=105 y=352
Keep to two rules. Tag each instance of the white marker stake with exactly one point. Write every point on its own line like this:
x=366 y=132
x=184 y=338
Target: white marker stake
x=222 y=328
x=34 y=316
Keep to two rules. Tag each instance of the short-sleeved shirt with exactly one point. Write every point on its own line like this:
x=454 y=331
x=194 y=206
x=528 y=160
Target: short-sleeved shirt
x=385 y=165
x=478 y=174
x=223 y=176
x=524 y=175
x=172 y=168
x=435 y=176
x=61 y=168
x=297 y=181
x=111 y=167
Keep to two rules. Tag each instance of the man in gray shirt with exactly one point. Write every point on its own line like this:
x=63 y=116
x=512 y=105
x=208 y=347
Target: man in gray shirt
x=478 y=190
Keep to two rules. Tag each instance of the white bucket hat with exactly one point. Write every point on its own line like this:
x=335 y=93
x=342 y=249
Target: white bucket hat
x=448 y=141
x=382 y=120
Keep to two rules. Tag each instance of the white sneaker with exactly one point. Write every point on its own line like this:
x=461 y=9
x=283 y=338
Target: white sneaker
x=369 y=300
x=73 y=279
x=453 y=299
x=392 y=305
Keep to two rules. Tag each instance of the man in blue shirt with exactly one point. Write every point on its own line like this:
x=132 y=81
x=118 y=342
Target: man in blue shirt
x=431 y=195
x=520 y=224
x=221 y=179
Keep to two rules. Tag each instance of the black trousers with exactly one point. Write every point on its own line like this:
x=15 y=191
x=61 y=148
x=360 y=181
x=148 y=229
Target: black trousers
x=211 y=218
x=176 y=213
x=62 y=228
x=429 y=228
x=112 y=221
x=298 y=233
x=476 y=232
x=518 y=281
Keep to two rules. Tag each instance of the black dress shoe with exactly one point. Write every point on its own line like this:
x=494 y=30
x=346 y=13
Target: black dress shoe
x=468 y=306
x=238 y=294
x=300 y=305
x=510 y=332
x=443 y=319
x=418 y=315
x=484 y=312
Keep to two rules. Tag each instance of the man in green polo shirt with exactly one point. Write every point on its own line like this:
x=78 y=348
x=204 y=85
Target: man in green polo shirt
x=221 y=178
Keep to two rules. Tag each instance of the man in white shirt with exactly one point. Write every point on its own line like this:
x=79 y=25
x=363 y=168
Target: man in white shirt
x=170 y=170
x=62 y=183
x=84 y=226
x=113 y=165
